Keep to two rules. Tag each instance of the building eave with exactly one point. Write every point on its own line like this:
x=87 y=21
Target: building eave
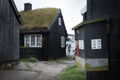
x=89 y=22
x=32 y=31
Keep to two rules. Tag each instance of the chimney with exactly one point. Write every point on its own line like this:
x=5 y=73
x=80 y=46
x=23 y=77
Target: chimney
x=27 y=6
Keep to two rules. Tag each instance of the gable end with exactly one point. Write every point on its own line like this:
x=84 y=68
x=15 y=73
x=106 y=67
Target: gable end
x=16 y=11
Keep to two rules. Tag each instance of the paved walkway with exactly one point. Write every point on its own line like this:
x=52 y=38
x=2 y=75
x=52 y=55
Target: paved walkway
x=44 y=70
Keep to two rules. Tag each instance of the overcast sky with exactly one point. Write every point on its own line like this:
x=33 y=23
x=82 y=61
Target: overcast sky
x=70 y=9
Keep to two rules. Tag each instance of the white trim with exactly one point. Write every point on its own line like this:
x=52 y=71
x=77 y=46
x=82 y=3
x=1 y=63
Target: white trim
x=59 y=21
x=30 y=40
x=96 y=44
x=84 y=10
x=29 y=36
x=35 y=40
x=24 y=40
x=62 y=41
x=81 y=44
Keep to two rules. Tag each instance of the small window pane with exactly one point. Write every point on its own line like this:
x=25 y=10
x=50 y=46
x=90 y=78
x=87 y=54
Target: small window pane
x=62 y=41
x=59 y=21
x=96 y=44
x=39 y=40
x=32 y=40
x=26 y=40
x=81 y=44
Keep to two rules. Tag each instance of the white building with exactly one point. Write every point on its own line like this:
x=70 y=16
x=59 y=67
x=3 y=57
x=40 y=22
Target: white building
x=70 y=45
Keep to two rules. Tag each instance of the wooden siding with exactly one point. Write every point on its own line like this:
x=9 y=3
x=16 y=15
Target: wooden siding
x=55 y=33
x=80 y=36
x=55 y=50
x=114 y=49
x=39 y=53
x=97 y=9
x=98 y=75
x=101 y=8
x=109 y=8
x=31 y=52
x=9 y=33
x=56 y=28
x=96 y=31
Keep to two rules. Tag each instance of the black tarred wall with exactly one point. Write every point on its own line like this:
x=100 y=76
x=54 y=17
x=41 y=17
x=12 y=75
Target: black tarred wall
x=109 y=8
x=80 y=35
x=55 y=33
x=9 y=32
x=97 y=30
x=39 y=53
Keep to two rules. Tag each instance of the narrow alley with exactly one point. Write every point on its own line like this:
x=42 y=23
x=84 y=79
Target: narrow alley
x=43 y=70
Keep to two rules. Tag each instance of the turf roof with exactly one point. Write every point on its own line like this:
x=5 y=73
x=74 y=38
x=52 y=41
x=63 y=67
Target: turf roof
x=38 y=18
x=89 y=22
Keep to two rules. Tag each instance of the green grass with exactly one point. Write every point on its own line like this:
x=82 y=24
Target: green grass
x=28 y=66
x=31 y=59
x=28 y=60
x=7 y=68
x=73 y=73
x=63 y=58
x=89 y=22
x=38 y=18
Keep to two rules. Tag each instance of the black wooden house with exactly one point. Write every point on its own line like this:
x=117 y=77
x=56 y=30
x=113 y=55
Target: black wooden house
x=9 y=32
x=43 y=34
x=98 y=40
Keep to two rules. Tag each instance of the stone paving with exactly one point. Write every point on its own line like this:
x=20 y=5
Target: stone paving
x=43 y=70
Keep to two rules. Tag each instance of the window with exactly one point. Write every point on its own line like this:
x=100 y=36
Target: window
x=96 y=44
x=39 y=40
x=59 y=21
x=81 y=44
x=33 y=40
x=77 y=31
x=62 y=41
x=26 y=40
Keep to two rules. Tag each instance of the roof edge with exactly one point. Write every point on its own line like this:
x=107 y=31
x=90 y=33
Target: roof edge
x=54 y=19
x=16 y=11
x=90 y=21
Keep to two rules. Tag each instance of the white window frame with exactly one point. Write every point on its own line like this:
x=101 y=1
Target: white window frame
x=32 y=43
x=28 y=40
x=39 y=40
x=96 y=44
x=81 y=44
x=59 y=21
x=62 y=41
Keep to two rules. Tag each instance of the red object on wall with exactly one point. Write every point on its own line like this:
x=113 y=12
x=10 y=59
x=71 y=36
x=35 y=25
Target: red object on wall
x=77 y=51
x=77 y=48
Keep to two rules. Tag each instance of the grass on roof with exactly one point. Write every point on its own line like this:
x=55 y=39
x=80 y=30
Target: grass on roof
x=89 y=22
x=38 y=18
